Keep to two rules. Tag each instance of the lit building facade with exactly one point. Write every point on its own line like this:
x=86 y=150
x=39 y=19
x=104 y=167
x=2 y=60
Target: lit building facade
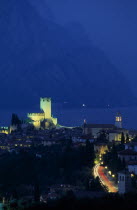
x=45 y=118
x=4 y=130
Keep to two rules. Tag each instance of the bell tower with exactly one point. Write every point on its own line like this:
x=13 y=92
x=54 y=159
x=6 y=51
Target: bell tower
x=118 y=120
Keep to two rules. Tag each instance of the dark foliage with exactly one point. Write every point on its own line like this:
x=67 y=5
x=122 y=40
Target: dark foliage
x=108 y=202
x=15 y=120
x=102 y=137
x=122 y=138
x=111 y=159
x=58 y=165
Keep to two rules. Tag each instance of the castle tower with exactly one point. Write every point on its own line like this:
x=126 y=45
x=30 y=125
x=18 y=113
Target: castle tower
x=118 y=120
x=45 y=106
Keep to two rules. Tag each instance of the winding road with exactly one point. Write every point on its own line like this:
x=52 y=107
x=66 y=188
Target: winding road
x=99 y=172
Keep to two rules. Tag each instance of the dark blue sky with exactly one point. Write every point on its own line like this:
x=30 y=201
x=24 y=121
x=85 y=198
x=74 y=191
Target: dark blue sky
x=111 y=25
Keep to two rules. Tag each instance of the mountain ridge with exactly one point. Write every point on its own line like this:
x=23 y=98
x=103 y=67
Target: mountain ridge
x=42 y=58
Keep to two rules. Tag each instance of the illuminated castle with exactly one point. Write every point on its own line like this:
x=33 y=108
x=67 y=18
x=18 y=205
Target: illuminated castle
x=43 y=119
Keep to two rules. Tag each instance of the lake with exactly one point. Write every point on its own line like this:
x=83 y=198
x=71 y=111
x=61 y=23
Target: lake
x=75 y=117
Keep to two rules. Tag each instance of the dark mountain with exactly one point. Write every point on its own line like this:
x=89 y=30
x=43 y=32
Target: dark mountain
x=40 y=58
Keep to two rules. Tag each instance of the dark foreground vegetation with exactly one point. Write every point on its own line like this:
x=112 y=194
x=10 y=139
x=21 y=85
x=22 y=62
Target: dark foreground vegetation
x=47 y=168
x=109 y=202
x=56 y=164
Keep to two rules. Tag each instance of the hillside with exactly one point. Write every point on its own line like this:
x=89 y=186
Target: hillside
x=41 y=58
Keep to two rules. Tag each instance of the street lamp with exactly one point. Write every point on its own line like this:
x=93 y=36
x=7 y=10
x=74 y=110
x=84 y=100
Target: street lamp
x=109 y=172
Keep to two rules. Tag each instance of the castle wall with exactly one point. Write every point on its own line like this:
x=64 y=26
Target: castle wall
x=36 y=116
x=36 y=124
x=55 y=121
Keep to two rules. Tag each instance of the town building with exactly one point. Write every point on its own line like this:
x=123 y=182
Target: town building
x=94 y=129
x=132 y=167
x=115 y=135
x=44 y=119
x=4 y=130
x=124 y=182
x=127 y=155
x=132 y=134
x=131 y=146
x=114 y=131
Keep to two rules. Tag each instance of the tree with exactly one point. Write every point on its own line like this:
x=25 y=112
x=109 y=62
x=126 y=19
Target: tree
x=95 y=185
x=103 y=136
x=113 y=162
x=15 y=120
x=90 y=154
x=127 y=138
x=122 y=138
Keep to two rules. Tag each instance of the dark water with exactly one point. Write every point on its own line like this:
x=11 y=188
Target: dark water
x=75 y=117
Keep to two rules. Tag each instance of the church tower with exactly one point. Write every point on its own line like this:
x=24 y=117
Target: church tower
x=45 y=106
x=118 y=120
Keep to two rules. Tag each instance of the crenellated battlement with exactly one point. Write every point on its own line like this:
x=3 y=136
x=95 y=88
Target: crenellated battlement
x=36 y=114
x=45 y=99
